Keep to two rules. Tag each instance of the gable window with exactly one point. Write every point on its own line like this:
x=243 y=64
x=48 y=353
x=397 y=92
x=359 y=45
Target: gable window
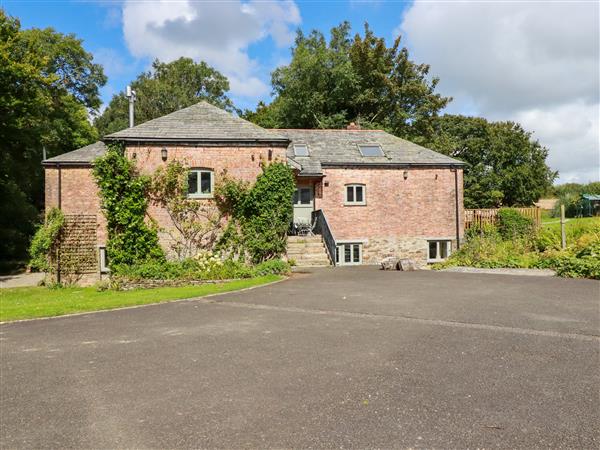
x=370 y=150
x=438 y=250
x=301 y=150
x=348 y=254
x=303 y=196
x=201 y=183
x=355 y=194
x=103 y=260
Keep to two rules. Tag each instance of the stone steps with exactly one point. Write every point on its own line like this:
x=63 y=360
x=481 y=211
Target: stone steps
x=307 y=251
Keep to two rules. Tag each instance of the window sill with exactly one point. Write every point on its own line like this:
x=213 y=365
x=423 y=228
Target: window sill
x=200 y=197
x=355 y=204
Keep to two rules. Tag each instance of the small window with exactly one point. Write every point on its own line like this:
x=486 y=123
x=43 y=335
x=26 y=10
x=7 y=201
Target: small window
x=438 y=250
x=200 y=183
x=301 y=150
x=370 y=150
x=303 y=196
x=348 y=254
x=355 y=194
x=103 y=260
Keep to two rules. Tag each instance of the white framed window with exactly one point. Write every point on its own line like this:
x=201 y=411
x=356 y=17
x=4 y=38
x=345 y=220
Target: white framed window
x=103 y=260
x=370 y=150
x=355 y=194
x=438 y=250
x=301 y=150
x=201 y=183
x=303 y=196
x=348 y=253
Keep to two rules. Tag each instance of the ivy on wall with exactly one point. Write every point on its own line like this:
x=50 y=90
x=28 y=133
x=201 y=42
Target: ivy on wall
x=124 y=200
x=260 y=214
x=45 y=242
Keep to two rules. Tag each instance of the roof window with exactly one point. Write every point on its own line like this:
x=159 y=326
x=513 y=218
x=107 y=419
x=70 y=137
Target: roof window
x=370 y=150
x=301 y=150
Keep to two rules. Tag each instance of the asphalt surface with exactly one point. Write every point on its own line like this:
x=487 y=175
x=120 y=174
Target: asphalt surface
x=346 y=357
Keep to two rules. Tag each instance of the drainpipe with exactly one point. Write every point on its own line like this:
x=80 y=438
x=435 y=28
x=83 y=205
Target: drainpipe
x=455 y=170
x=59 y=207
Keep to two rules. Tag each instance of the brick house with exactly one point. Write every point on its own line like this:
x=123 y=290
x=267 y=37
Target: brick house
x=367 y=194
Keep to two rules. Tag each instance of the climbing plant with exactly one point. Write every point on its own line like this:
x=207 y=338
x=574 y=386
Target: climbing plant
x=260 y=214
x=123 y=194
x=45 y=241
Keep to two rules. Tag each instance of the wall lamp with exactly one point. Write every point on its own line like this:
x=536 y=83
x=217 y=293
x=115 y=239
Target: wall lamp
x=163 y=153
x=405 y=174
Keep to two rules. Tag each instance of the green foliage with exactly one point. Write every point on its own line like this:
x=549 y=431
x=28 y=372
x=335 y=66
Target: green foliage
x=505 y=165
x=196 y=224
x=513 y=225
x=45 y=240
x=124 y=201
x=573 y=267
x=359 y=79
x=259 y=215
x=166 y=88
x=48 y=84
x=575 y=188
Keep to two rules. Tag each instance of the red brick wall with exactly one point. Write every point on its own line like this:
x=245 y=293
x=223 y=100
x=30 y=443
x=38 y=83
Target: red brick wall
x=422 y=206
x=79 y=194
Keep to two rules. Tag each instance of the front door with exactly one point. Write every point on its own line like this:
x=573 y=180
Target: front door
x=303 y=204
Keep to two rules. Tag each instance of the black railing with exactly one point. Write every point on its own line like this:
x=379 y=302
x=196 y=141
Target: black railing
x=322 y=228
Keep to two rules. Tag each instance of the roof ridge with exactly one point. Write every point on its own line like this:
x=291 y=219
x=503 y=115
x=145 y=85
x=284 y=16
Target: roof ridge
x=321 y=129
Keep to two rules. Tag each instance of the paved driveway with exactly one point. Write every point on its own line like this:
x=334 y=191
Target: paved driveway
x=347 y=357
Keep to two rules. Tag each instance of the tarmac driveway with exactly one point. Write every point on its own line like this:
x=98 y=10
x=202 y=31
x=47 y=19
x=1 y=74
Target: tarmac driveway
x=346 y=357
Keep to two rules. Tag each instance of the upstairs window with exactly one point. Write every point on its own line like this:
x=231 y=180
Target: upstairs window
x=303 y=196
x=370 y=150
x=355 y=194
x=201 y=183
x=301 y=150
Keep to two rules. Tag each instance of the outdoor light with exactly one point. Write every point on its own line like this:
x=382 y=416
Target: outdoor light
x=134 y=155
x=163 y=153
x=405 y=174
x=270 y=154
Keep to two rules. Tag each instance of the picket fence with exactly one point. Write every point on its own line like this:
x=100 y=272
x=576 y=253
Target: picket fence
x=479 y=217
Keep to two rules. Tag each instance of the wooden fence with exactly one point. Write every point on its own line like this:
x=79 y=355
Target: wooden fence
x=478 y=217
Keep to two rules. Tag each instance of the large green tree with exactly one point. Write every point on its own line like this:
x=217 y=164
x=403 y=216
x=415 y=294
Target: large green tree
x=165 y=89
x=48 y=89
x=506 y=166
x=331 y=83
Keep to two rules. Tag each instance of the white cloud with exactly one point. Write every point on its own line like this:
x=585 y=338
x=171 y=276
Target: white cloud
x=216 y=32
x=533 y=62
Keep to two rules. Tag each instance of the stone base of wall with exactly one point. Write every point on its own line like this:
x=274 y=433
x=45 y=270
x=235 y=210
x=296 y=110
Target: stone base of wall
x=415 y=248
x=77 y=279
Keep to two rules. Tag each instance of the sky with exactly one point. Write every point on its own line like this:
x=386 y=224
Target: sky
x=533 y=62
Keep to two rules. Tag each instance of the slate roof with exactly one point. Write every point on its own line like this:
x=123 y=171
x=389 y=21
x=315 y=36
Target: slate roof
x=83 y=155
x=201 y=122
x=340 y=147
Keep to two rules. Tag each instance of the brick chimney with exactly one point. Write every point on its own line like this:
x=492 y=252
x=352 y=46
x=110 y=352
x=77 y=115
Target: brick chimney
x=353 y=126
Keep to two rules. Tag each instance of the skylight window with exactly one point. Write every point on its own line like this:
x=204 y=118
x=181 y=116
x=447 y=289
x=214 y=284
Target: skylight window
x=300 y=150
x=370 y=150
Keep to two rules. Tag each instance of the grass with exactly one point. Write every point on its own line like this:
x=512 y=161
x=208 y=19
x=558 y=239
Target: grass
x=35 y=302
x=553 y=223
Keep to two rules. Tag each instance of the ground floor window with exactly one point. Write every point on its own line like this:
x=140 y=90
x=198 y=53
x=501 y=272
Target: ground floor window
x=439 y=250
x=103 y=260
x=348 y=253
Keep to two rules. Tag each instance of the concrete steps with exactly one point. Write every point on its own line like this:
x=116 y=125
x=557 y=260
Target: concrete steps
x=307 y=251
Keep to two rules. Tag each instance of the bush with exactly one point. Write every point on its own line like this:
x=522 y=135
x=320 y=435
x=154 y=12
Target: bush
x=572 y=266
x=272 y=267
x=513 y=225
x=45 y=240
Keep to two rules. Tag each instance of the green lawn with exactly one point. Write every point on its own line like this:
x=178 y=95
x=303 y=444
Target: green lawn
x=31 y=302
x=577 y=222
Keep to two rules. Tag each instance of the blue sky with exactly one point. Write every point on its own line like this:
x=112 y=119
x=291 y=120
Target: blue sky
x=533 y=62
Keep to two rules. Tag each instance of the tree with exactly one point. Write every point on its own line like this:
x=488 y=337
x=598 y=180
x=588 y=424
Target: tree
x=48 y=86
x=168 y=87
x=505 y=165
x=330 y=84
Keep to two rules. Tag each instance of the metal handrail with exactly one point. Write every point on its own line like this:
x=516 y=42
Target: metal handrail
x=322 y=228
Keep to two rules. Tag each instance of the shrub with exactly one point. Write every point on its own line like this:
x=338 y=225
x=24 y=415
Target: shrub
x=572 y=266
x=45 y=240
x=272 y=267
x=512 y=224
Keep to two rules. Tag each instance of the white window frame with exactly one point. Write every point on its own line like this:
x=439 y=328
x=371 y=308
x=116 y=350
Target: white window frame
x=355 y=202
x=438 y=244
x=199 y=173
x=360 y=147
x=298 y=202
x=301 y=145
x=103 y=260
x=340 y=252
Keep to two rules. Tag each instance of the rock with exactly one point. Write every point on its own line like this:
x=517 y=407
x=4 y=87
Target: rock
x=389 y=263
x=407 y=265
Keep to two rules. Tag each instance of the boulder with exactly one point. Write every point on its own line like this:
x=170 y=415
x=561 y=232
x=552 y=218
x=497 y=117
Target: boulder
x=407 y=265
x=389 y=263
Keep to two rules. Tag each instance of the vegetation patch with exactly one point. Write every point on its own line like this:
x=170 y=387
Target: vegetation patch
x=44 y=244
